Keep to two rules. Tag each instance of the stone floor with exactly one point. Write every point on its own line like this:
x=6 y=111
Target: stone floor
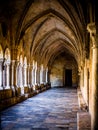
x=54 y=109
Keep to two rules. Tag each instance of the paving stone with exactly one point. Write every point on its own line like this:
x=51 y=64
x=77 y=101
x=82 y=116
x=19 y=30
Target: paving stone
x=83 y=121
x=53 y=109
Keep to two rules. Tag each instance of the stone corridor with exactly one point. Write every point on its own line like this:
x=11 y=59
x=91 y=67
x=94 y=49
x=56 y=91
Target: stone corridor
x=54 y=109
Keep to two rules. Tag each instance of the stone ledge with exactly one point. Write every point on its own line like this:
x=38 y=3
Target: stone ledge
x=83 y=121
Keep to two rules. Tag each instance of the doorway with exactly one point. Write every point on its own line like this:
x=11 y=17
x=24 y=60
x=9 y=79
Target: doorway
x=68 y=77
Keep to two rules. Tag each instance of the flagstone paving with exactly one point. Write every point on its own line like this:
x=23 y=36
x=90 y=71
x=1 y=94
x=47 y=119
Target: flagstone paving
x=54 y=109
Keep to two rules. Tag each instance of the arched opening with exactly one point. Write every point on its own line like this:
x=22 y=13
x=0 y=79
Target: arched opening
x=6 y=71
x=1 y=67
x=64 y=71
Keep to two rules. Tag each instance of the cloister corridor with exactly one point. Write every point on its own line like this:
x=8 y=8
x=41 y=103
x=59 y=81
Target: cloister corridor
x=54 y=109
x=49 y=65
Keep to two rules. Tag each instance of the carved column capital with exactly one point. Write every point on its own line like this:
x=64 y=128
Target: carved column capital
x=92 y=30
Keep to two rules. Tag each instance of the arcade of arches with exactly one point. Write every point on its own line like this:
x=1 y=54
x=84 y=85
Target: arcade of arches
x=49 y=43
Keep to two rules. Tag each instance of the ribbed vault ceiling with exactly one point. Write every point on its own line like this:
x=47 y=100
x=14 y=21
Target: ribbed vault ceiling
x=50 y=27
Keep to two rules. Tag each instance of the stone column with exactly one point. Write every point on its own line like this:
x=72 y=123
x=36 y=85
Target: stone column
x=46 y=75
x=95 y=87
x=25 y=75
x=8 y=75
x=94 y=115
x=16 y=74
x=33 y=76
x=12 y=76
x=82 y=78
x=14 y=67
x=41 y=76
x=21 y=78
x=38 y=76
x=35 y=82
x=28 y=75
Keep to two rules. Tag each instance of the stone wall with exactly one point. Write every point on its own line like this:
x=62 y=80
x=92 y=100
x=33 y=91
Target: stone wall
x=57 y=75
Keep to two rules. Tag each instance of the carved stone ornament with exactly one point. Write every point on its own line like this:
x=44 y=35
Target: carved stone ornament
x=92 y=30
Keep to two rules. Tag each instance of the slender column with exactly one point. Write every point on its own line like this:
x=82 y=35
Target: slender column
x=25 y=75
x=35 y=82
x=16 y=74
x=41 y=76
x=94 y=115
x=38 y=75
x=46 y=75
x=21 y=79
x=12 y=76
x=95 y=87
x=8 y=75
x=28 y=75
x=33 y=76
x=12 y=73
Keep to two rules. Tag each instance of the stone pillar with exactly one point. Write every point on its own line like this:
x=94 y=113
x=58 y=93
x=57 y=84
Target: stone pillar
x=12 y=73
x=38 y=76
x=94 y=115
x=95 y=87
x=16 y=74
x=28 y=75
x=35 y=82
x=21 y=78
x=82 y=78
x=46 y=75
x=25 y=75
x=33 y=76
x=41 y=77
x=8 y=75
x=12 y=76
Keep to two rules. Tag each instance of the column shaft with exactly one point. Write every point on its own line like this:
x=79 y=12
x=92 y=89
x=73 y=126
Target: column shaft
x=94 y=120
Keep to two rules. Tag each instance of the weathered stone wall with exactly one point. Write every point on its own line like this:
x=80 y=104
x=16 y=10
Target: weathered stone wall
x=58 y=69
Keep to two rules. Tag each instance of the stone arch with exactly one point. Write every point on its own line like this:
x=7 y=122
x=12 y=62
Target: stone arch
x=6 y=69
